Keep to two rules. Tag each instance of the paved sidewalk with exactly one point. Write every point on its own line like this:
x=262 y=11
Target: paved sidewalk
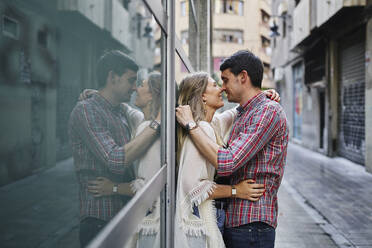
x=336 y=192
x=41 y=210
x=296 y=227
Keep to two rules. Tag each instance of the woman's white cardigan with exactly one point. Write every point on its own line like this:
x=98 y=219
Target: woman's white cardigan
x=148 y=166
x=195 y=185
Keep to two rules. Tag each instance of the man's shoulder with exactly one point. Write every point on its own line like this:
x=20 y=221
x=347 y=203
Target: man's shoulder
x=270 y=105
x=83 y=107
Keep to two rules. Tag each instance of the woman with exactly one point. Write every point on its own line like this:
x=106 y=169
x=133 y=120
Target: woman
x=148 y=99
x=195 y=213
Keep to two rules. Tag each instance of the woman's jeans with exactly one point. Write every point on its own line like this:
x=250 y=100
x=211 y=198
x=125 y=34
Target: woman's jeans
x=252 y=235
x=220 y=214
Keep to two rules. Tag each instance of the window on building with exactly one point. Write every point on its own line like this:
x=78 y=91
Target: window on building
x=228 y=36
x=241 y=8
x=126 y=4
x=185 y=37
x=235 y=7
x=42 y=38
x=265 y=17
x=315 y=63
x=297 y=2
x=184 y=8
x=10 y=27
x=265 y=42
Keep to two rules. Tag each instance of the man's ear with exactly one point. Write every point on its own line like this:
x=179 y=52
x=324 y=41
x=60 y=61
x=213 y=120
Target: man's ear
x=111 y=77
x=245 y=77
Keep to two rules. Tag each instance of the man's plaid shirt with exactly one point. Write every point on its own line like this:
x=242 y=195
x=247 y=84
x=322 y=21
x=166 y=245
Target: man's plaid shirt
x=257 y=149
x=98 y=132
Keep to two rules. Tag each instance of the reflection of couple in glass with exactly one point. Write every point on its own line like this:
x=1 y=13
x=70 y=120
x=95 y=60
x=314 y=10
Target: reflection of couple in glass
x=102 y=129
x=246 y=145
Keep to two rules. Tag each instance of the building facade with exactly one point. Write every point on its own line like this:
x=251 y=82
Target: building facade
x=321 y=66
x=235 y=25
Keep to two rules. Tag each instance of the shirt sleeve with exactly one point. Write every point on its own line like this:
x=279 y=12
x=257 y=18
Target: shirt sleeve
x=92 y=129
x=257 y=133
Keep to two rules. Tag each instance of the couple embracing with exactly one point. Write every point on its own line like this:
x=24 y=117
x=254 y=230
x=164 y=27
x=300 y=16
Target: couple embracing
x=246 y=147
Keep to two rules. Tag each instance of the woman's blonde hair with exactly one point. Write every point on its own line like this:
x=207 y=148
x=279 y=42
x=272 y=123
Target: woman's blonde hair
x=154 y=82
x=191 y=90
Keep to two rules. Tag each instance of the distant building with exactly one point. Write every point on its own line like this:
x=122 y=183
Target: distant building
x=235 y=25
x=321 y=66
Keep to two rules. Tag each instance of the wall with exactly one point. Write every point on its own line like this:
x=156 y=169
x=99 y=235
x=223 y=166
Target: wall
x=301 y=22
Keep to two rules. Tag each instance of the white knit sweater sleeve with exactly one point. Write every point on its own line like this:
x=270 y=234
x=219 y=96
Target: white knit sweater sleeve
x=224 y=121
x=195 y=173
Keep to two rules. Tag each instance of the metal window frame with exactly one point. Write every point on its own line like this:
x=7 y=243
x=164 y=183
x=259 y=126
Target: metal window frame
x=120 y=229
x=182 y=54
x=194 y=16
x=170 y=136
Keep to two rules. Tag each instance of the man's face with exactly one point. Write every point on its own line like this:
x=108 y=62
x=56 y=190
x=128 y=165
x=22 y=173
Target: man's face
x=125 y=85
x=231 y=85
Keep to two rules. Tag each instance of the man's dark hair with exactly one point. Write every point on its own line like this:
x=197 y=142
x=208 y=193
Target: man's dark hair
x=115 y=61
x=245 y=60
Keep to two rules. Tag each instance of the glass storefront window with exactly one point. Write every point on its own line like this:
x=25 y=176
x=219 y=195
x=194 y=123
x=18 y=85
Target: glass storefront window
x=81 y=88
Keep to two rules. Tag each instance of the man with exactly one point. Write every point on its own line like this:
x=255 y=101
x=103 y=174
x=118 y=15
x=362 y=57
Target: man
x=100 y=131
x=256 y=150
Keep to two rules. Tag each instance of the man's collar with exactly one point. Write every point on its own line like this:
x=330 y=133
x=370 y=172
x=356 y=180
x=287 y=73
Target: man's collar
x=104 y=102
x=251 y=103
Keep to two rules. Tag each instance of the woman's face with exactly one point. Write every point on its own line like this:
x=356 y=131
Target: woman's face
x=143 y=95
x=213 y=95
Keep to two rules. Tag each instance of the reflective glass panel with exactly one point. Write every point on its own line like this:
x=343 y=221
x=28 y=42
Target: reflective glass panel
x=81 y=93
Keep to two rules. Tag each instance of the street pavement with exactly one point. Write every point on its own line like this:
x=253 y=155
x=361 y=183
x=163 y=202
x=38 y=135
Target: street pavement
x=41 y=210
x=323 y=202
x=334 y=192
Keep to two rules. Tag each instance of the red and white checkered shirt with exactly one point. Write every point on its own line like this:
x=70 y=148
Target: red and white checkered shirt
x=257 y=149
x=98 y=132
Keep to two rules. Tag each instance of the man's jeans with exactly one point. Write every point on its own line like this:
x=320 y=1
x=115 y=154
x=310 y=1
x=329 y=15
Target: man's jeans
x=252 y=235
x=89 y=228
